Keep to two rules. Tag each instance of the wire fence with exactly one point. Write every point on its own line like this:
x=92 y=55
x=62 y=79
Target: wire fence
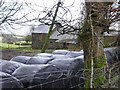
x=67 y=81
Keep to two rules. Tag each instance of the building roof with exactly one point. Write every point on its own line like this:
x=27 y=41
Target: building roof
x=114 y=29
x=63 y=38
x=111 y=34
x=42 y=28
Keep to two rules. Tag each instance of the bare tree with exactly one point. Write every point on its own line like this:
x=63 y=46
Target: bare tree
x=97 y=15
x=98 y=19
x=15 y=14
x=51 y=27
x=88 y=26
x=8 y=10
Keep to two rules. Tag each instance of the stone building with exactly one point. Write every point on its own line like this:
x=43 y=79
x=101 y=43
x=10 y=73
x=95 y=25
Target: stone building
x=56 y=40
x=38 y=36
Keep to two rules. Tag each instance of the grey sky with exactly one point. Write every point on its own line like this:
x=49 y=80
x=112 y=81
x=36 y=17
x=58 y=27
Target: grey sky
x=38 y=6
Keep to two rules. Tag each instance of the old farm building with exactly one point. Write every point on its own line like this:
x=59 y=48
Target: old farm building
x=56 y=39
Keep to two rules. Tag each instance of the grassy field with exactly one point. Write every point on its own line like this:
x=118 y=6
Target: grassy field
x=24 y=48
x=8 y=46
x=12 y=46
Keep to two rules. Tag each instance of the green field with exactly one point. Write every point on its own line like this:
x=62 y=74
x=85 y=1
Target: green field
x=6 y=46
x=25 y=48
x=12 y=46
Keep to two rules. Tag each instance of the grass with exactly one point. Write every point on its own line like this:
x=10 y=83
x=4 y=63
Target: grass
x=23 y=48
x=11 y=46
x=113 y=80
x=8 y=46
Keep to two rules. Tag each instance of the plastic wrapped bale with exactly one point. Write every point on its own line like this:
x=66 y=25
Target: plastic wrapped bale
x=55 y=82
x=57 y=56
x=1 y=60
x=80 y=75
x=111 y=55
x=9 y=66
x=70 y=65
x=72 y=68
x=44 y=54
x=74 y=54
x=60 y=52
x=81 y=51
x=75 y=82
x=118 y=53
x=115 y=55
x=80 y=57
x=108 y=56
x=26 y=73
x=45 y=77
x=39 y=60
x=9 y=82
x=21 y=59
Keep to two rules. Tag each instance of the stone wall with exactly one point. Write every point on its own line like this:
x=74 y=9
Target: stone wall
x=38 y=40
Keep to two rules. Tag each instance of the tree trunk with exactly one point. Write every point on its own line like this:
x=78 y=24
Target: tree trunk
x=50 y=29
x=96 y=11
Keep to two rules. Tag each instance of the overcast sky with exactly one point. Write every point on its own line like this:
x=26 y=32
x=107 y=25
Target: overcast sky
x=38 y=6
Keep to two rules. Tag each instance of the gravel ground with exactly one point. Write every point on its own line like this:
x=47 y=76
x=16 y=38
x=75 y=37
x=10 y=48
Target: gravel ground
x=8 y=54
